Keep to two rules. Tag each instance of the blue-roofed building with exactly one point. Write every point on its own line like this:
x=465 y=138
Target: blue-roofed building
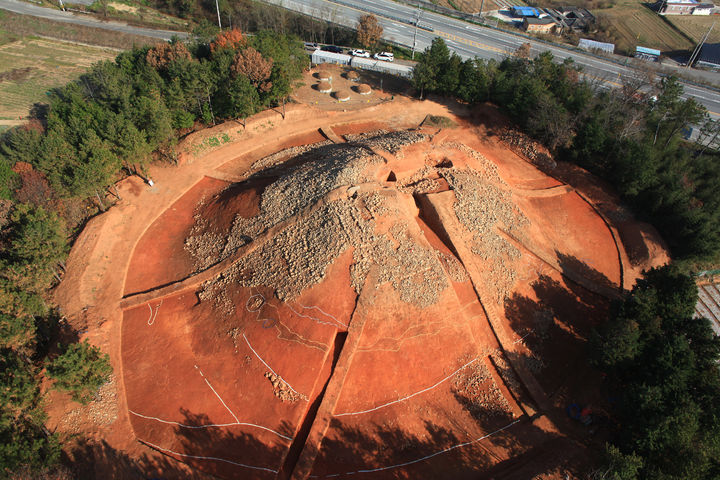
x=525 y=12
x=647 y=54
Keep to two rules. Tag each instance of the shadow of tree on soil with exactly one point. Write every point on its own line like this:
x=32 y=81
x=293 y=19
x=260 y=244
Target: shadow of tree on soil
x=555 y=326
x=572 y=267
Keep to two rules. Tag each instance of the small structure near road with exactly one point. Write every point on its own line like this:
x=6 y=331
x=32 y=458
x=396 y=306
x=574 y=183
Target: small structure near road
x=649 y=54
x=538 y=25
x=593 y=46
x=321 y=56
x=525 y=12
x=383 y=67
x=573 y=18
x=683 y=7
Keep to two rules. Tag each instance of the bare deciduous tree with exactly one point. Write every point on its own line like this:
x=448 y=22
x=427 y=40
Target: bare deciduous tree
x=369 y=31
x=251 y=64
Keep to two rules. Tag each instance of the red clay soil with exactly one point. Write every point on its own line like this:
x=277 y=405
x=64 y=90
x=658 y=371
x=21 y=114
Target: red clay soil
x=418 y=383
x=222 y=365
x=160 y=256
x=566 y=227
x=94 y=281
x=236 y=385
x=353 y=128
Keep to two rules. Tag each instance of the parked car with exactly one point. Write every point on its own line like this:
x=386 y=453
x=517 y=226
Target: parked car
x=311 y=45
x=332 y=48
x=360 y=53
x=385 y=56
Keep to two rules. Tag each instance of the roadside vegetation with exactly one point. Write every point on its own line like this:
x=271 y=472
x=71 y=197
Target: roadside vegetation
x=110 y=122
x=31 y=66
x=19 y=26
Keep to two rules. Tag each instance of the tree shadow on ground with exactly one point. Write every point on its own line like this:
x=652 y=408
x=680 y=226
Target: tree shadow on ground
x=207 y=453
x=572 y=267
x=443 y=452
x=554 y=327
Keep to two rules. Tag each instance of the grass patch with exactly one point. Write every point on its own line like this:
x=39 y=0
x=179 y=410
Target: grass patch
x=695 y=26
x=13 y=25
x=30 y=67
x=211 y=143
x=438 y=121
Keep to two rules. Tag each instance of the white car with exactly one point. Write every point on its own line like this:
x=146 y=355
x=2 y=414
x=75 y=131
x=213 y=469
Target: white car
x=386 y=56
x=360 y=53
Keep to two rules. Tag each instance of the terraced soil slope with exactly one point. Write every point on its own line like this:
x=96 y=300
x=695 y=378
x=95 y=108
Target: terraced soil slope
x=389 y=305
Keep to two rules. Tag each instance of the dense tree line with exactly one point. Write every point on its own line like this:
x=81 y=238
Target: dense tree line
x=662 y=370
x=622 y=135
x=116 y=117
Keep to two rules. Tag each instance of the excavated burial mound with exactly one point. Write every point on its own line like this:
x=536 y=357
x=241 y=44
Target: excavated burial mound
x=331 y=323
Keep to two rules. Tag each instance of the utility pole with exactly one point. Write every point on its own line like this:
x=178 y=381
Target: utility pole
x=481 y=5
x=696 y=52
x=417 y=20
x=217 y=7
x=62 y=5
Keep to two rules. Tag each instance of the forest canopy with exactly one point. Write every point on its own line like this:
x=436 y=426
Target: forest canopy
x=116 y=117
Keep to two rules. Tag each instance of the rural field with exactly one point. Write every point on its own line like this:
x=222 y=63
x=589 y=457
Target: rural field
x=31 y=66
x=696 y=26
x=632 y=24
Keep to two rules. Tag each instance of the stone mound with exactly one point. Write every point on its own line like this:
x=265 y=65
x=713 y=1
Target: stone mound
x=342 y=95
x=356 y=312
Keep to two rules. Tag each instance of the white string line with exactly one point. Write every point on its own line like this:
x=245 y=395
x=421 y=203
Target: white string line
x=270 y=368
x=247 y=302
x=165 y=450
x=209 y=425
x=427 y=456
x=409 y=396
x=314 y=307
x=217 y=395
x=152 y=318
x=315 y=318
x=522 y=338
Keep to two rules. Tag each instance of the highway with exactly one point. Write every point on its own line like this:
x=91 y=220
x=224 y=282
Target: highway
x=469 y=40
x=84 y=20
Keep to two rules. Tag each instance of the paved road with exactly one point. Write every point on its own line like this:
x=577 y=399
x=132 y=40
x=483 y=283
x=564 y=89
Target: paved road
x=469 y=40
x=84 y=20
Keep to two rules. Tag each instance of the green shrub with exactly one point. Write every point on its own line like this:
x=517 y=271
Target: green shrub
x=81 y=370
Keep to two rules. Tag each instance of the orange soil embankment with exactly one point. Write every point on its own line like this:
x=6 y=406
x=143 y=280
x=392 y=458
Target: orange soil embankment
x=397 y=382
x=96 y=268
x=566 y=229
x=160 y=257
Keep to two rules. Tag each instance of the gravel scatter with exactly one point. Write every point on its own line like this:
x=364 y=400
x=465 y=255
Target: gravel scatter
x=484 y=209
x=282 y=390
x=475 y=388
x=298 y=257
